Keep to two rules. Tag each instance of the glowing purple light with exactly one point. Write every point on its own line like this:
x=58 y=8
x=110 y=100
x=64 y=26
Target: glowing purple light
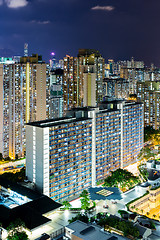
x=53 y=54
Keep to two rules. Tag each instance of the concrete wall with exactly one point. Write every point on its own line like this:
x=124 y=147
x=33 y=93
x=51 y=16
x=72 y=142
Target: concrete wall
x=37 y=157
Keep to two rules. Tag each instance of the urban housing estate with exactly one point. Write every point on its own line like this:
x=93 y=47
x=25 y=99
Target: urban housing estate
x=67 y=155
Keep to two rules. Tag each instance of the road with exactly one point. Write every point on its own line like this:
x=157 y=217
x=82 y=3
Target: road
x=11 y=164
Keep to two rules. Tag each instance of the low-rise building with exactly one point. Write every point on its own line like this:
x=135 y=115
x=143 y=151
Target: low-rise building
x=19 y=202
x=82 y=231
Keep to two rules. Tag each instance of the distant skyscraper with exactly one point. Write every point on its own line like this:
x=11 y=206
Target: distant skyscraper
x=26 y=50
x=132 y=71
x=56 y=96
x=149 y=93
x=61 y=64
x=53 y=61
x=78 y=72
x=117 y=87
x=23 y=89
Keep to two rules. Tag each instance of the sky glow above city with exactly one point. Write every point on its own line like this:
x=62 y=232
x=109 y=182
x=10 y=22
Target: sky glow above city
x=119 y=29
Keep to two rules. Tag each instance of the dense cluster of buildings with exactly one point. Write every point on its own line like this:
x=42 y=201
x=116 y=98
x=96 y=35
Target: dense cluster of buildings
x=24 y=97
x=75 y=121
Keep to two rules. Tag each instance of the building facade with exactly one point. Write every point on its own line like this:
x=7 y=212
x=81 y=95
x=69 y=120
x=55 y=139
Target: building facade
x=56 y=94
x=149 y=93
x=59 y=156
x=83 y=75
x=67 y=155
x=23 y=99
x=116 y=87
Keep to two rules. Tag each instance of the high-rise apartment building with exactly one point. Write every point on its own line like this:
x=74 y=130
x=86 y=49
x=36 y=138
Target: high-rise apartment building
x=133 y=71
x=67 y=155
x=56 y=94
x=116 y=87
x=83 y=75
x=23 y=99
x=72 y=88
x=149 y=93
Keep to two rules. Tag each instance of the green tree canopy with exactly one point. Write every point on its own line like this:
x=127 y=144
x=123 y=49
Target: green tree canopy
x=16 y=231
x=85 y=201
x=121 y=178
x=66 y=204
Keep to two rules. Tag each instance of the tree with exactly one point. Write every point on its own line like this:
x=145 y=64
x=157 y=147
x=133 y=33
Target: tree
x=66 y=204
x=15 y=177
x=16 y=231
x=8 y=159
x=85 y=201
x=1 y=156
x=16 y=157
x=80 y=217
x=121 y=178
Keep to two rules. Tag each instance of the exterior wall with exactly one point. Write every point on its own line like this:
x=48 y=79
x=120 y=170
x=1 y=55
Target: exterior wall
x=108 y=143
x=30 y=153
x=23 y=100
x=56 y=94
x=37 y=167
x=70 y=159
x=41 y=91
x=73 y=82
x=70 y=83
x=42 y=160
x=132 y=133
x=89 y=89
x=149 y=93
x=118 y=88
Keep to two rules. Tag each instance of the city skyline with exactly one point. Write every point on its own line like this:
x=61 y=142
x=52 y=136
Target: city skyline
x=118 y=29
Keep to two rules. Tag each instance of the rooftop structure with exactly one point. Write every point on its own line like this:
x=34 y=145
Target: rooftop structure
x=81 y=231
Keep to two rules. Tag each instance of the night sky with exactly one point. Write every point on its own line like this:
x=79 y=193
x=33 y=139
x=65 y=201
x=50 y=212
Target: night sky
x=119 y=29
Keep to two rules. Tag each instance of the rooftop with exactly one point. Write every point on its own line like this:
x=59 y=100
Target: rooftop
x=56 y=121
x=15 y=203
x=91 y=232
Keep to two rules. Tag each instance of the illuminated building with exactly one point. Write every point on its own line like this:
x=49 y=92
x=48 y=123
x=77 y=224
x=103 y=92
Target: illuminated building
x=23 y=89
x=67 y=155
x=56 y=96
x=71 y=88
x=149 y=93
x=116 y=87
x=58 y=156
x=89 y=82
x=83 y=75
